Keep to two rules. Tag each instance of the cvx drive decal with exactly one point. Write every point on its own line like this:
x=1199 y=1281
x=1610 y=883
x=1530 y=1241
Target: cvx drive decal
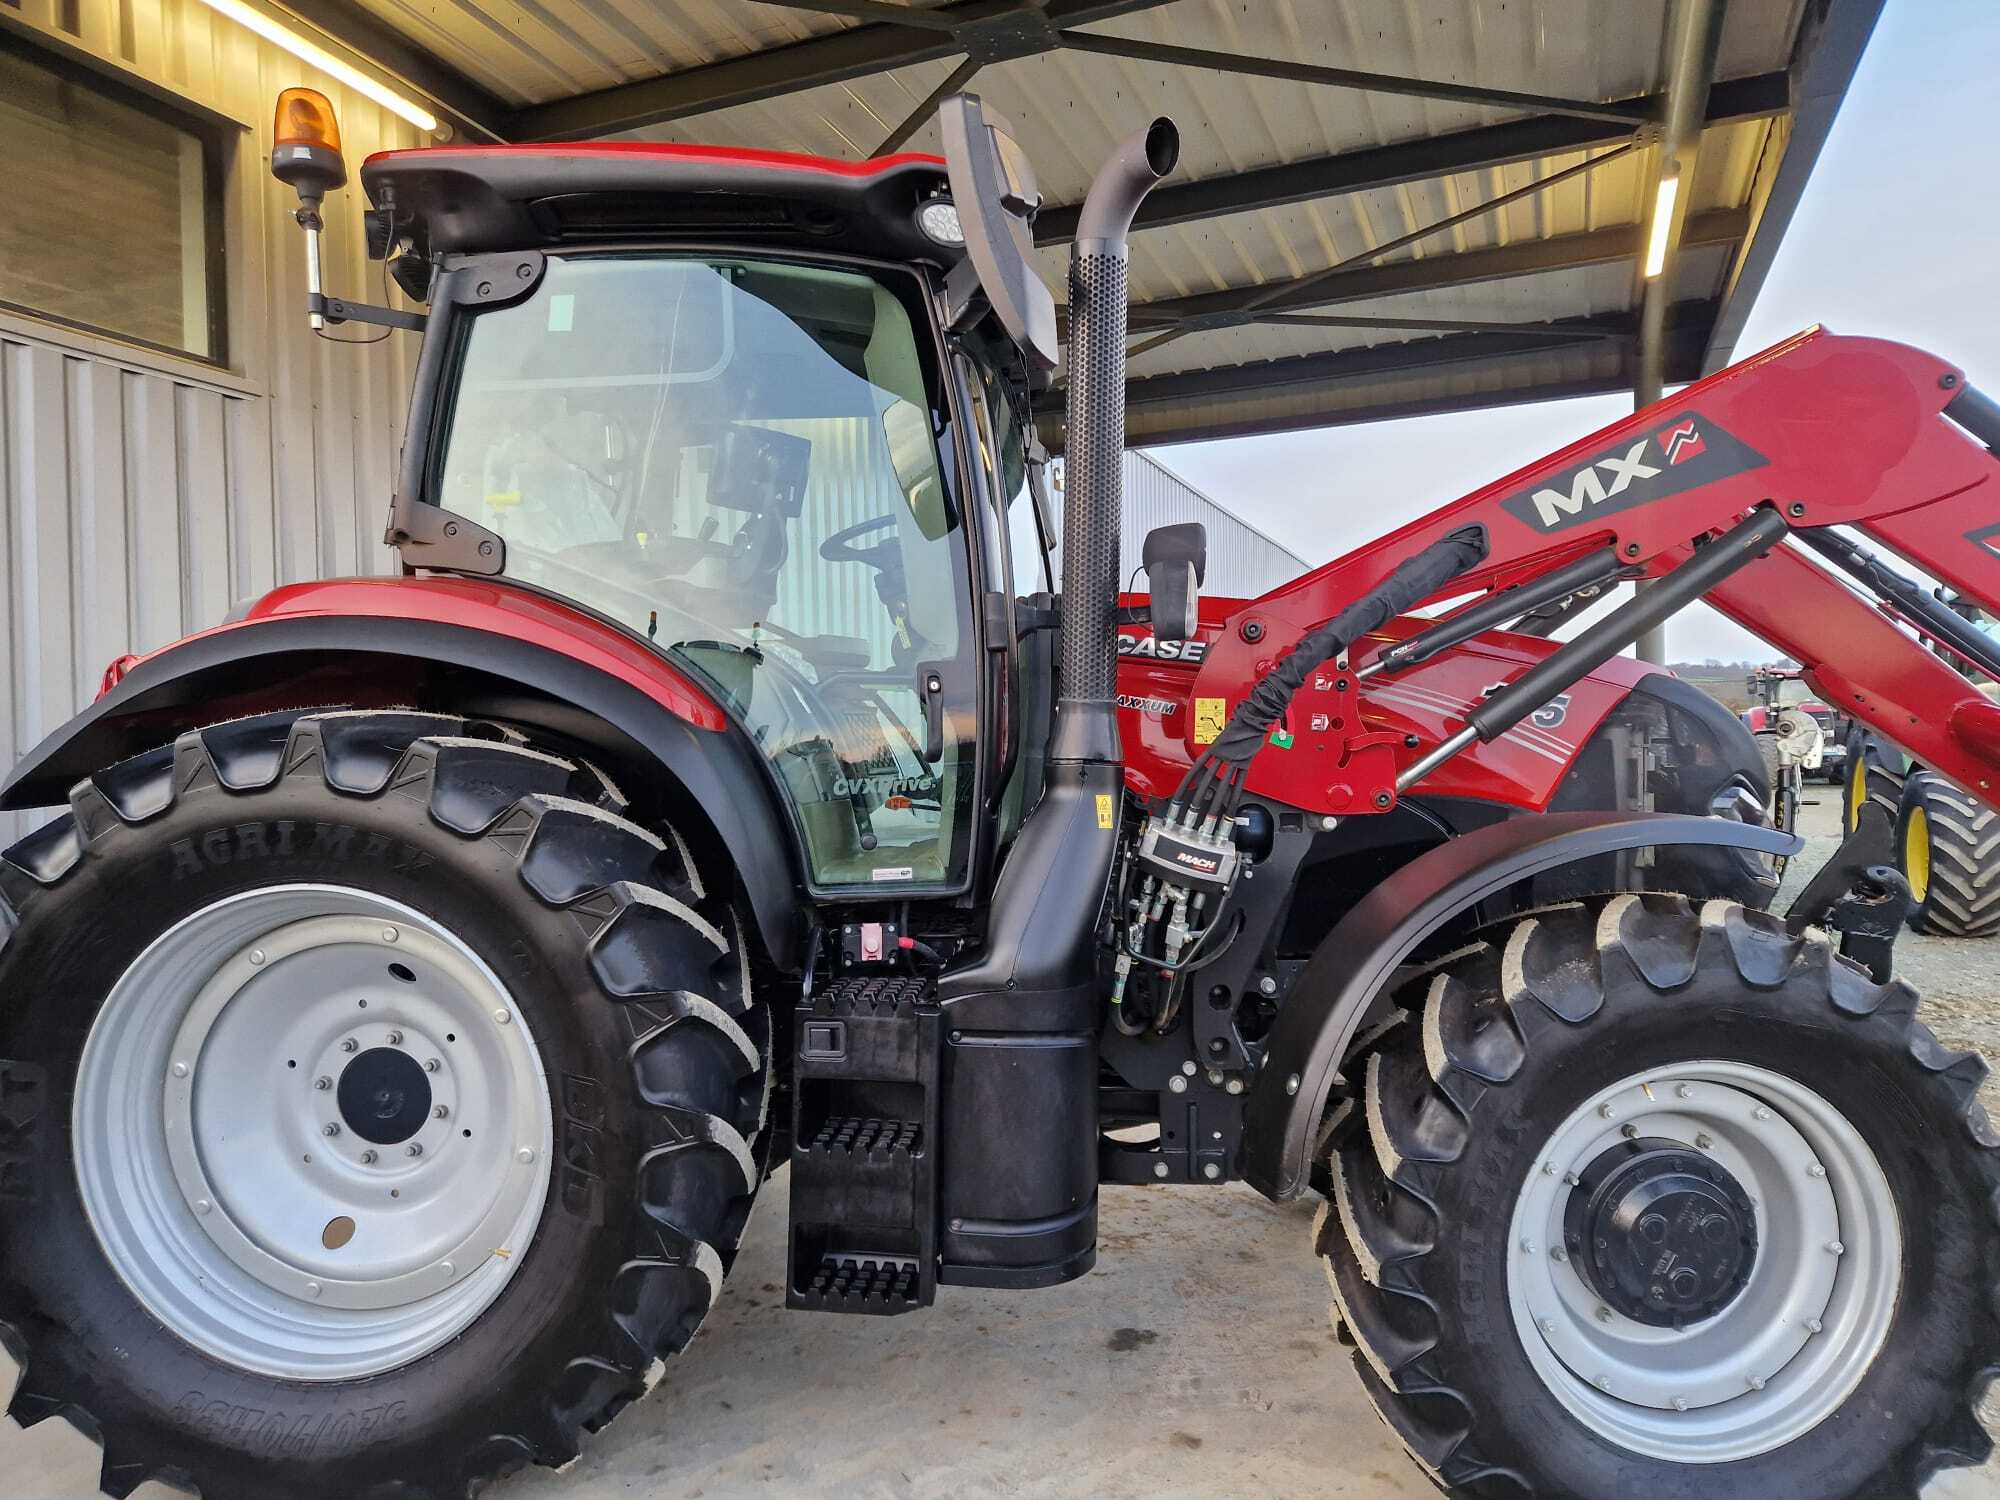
x=1688 y=452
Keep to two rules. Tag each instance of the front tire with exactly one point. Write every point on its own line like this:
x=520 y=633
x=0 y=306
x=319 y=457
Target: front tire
x=1948 y=848
x=1840 y=1312
x=379 y=1099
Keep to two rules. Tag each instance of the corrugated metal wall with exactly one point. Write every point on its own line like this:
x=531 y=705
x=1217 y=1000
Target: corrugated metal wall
x=144 y=493
x=1242 y=561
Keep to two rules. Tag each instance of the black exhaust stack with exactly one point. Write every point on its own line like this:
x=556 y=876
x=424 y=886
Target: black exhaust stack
x=1017 y=1178
x=1086 y=722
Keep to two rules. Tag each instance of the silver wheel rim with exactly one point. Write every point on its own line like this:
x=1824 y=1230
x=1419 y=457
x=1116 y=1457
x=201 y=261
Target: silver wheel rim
x=1792 y=1346
x=216 y=1139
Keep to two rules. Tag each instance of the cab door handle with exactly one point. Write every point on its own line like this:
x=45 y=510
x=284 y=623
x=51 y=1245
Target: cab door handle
x=930 y=691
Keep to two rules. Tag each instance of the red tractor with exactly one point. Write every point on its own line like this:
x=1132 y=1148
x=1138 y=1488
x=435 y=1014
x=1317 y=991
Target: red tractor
x=429 y=971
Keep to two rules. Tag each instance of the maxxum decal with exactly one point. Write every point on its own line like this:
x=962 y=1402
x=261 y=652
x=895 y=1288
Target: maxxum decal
x=1688 y=452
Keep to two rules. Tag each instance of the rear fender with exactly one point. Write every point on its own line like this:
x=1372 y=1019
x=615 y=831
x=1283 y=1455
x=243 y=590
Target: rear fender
x=671 y=748
x=1353 y=968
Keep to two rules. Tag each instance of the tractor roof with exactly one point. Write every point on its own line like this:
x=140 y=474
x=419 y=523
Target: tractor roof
x=475 y=198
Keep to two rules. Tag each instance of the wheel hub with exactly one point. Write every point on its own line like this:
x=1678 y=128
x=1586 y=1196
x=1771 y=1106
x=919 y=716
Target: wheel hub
x=384 y=1096
x=1665 y=1235
x=1761 y=1189
x=314 y=1133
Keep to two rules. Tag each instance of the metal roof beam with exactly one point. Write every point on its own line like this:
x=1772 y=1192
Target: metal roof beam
x=1627 y=112
x=352 y=28
x=1756 y=97
x=856 y=52
x=1724 y=226
x=1207 y=403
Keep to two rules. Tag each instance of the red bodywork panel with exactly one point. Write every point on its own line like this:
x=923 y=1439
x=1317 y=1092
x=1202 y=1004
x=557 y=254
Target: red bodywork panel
x=728 y=156
x=1522 y=769
x=1835 y=431
x=495 y=606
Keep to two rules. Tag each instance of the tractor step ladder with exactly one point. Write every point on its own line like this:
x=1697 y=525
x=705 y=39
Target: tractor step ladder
x=864 y=1153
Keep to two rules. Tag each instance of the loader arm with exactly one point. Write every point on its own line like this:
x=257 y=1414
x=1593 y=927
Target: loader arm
x=1831 y=432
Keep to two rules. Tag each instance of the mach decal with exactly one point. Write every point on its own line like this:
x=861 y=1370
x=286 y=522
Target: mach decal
x=1688 y=453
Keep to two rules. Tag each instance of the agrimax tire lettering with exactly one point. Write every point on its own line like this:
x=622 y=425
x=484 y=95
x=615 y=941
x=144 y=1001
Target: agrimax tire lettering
x=283 y=837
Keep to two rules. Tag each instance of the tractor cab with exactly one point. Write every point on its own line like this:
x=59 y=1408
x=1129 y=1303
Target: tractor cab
x=770 y=413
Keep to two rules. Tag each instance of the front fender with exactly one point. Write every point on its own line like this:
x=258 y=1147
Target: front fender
x=1355 y=963
x=510 y=654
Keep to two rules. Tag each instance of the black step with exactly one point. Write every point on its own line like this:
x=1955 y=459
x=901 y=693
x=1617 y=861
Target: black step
x=878 y=1285
x=864 y=1176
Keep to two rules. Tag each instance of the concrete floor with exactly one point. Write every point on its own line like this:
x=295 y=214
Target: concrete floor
x=1196 y=1360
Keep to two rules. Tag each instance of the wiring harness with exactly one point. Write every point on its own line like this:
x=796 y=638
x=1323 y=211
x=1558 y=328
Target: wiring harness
x=1186 y=860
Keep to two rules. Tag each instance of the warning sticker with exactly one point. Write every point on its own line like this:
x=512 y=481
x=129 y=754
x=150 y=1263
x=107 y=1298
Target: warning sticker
x=1103 y=810
x=1210 y=714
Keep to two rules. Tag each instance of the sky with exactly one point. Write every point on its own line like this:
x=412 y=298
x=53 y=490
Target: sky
x=1898 y=236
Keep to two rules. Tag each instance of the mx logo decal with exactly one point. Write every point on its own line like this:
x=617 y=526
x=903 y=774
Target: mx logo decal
x=1682 y=456
x=1681 y=443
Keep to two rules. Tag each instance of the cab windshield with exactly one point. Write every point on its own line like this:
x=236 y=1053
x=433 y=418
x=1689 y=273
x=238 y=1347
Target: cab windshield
x=739 y=461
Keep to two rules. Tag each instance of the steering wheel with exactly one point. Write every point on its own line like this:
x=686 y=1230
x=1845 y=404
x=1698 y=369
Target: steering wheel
x=840 y=546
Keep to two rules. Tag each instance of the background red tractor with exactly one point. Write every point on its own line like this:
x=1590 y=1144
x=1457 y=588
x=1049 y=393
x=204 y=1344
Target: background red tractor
x=427 y=972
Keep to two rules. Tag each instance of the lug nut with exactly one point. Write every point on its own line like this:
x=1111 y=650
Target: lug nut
x=1234 y=1086
x=1680 y=1403
x=203 y=1206
x=502 y=1017
x=1548 y=1326
x=1267 y=986
x=1292 y=1084
x=525 y=1156
x=1559 y=1255
x=1211 y=1171
x=180 y=1070
x=442 y=1112
x=1815 y=1170
x=1685 y=1091
x=1813 y=1325
x=1527 y=1247
x=415 y=1148
x=395 y=1039
x=448 y=1268
x=1630 y=1132
x=350 y=1045
x=1177 y=1084
x=257 y=958
x=1214 y=1078
x=1159 y=1169
x=1757 y=1382
x=329 y=1130
x=322 y=1083
x=1760 y=1113
x=432 y=1065
x=312 y=1288
x=1608 y=1112
x=1189 y=1069
x=389 y=934
x=1834 y=1247
x=369 y=1158
x=1704 y=1141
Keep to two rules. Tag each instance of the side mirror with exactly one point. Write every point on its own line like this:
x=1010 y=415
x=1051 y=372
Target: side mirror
x=993 y=188
x=1176 y=562
x=305 y=146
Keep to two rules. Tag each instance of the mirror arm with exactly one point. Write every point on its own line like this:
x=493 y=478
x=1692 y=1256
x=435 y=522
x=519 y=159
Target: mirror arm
x=322 y=310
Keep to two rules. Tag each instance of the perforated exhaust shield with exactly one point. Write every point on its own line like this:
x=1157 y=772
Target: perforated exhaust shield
x=1094 y=477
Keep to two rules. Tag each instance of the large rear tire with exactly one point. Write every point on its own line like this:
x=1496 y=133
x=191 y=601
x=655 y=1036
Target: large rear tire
x=1948 y=848
x=1666 y=1202
x=378 y=1104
